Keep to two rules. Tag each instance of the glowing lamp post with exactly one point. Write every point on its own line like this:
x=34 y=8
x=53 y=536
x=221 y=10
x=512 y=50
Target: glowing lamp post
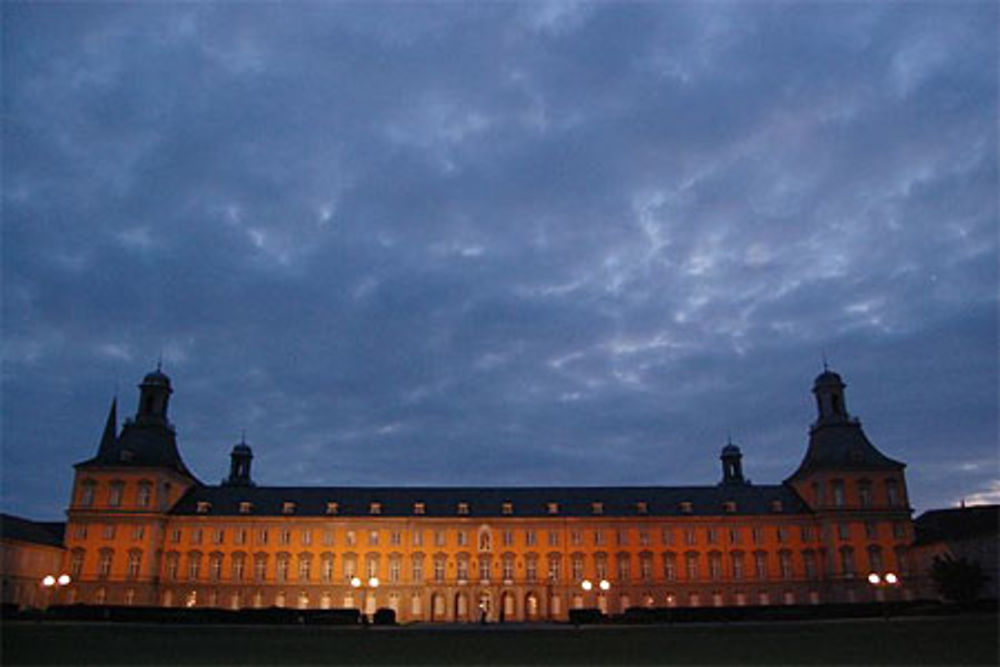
x=879 y=584
x=357 y=583
x=51 y=583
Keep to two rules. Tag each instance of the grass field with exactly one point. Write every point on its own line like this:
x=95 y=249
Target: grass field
x=952 y=640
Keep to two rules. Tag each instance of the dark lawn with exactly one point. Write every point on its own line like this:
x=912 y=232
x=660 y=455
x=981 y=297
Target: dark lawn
x=951 y=640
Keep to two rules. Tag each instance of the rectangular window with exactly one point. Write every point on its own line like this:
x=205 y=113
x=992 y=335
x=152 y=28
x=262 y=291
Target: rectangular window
x=507 y=508
x=577 y=568
x=598 y=537
x=326 y=569
x=327 y=538
x=576 y=538
x=262 y=536
x=463 y=569
x=737 y=565
x=373 y=538
x=281 y=572
x=115 y=494
x=871 y=530
x=462 y=538
x=531 y=569
x=305 y=569
x=463 y=508
x=785 y=562
x=892 y=492
x=80 y=531
x=809 y=564
x=438 y=570
x=104 y=564
x=375 y=508
x=644 y=538
x=194 y=565
x=865 y=494
x=689 y=538
x=711 y=535
x=553 y=538
x=109 y=531
x=837 y=490
x=138 y=532
x=508 y=568
x=734 y=535
x=196 y=535
x=246 y=507
x=306 y=537
x=597 y=508
x=691 y=563
x=215 y=567
x=218 y=536
x=240 y=536
x=715 y=565
x=419 y=508
x=667 y=536
x=351 y=538
x=553 y=570
x=332 y=508
x=552 y=508
x=418 y=537
x=237 y=568
x=646 y=568
x=134 y=563
x=143 y=495
x=807 y=534
x=175 y=535
x=530 y=538
x=87 y=494
x=284 y=536
x=669 y=567
x=758 y=534
x=507 y=537
x=260 y=568
x=621 y=537
x=760 y=564
x=418 y=570
x=395 y=538
x=439 y=538
x=288 y=507
x=394 y=570
x=782 y=534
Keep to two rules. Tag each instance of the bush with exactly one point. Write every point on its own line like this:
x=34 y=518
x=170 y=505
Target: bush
x=385 y=616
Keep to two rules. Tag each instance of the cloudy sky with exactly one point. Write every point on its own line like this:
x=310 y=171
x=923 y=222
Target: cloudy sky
x=535 y=243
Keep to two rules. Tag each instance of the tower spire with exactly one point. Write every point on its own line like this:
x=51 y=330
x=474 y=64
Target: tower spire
x=110 y=436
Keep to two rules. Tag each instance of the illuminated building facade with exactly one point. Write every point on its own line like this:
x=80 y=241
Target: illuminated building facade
x=143 y=530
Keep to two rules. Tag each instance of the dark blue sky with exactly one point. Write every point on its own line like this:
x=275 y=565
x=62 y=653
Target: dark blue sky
x=484 y=244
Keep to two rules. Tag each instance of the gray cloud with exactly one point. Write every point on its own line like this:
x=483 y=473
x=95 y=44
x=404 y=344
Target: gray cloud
x=536 y=243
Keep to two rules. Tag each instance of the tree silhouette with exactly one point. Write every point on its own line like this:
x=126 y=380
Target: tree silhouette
x=957 y=580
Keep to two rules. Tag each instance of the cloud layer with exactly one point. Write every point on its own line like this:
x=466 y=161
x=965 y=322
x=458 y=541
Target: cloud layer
x=540 y=243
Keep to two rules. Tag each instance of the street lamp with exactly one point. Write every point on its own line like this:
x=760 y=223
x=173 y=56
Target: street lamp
x=373 y=583
x=51 y=582
x=880 y=583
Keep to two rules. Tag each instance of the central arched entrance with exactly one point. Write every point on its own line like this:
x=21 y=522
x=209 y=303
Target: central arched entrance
x=531 y=606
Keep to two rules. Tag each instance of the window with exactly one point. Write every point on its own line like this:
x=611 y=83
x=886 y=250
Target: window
x=837 y=490
x=305 y=567
x=508 y=567
x=736 y=561
x=326 y=568
x=218 y=536
x=646 y=567
x=898 y=530
x=395 y=538
x=196 y=534
x=394 y=569
x=552 y=508
x=729 y=506
x=642 y=507
x=598 y=537
x=871 y=530
x=553 y=568
x=76 y=563
x=601 y=566
x=667 y=536
x=760 y=564
x=686 y=507
x=262 y=536
x=644 y=538
x=327 y=538
x=712 y=535
x=758 y=534
x=777 y=506
x=373 y=538
x=439 y=539
x=203 y=507
x=246 y=507
x=134 y=563
x=284 y=536
x=782 y=534
x=847 y=566
x=892 y=492
x=172 y=565
x=785 y=563
x=260 y=567
x=597 y=508
x=115 y=494
x=418 y=537
x=484 y=567
x=577 y=565
x=417 y=566
x=807 y=534
x=844 y=531
x=507 y=537
x=240 y=536
x=865 y=493
x=104 y=563
x=553 y=538
x=144 y=494
x=351 y=538
x=194 y=565
x=332 y=508
x=281 y=567
x=507 y=508
x=715 y=565
x=439 y=569
x=137 y=532
x=809 y=564
x=669 y=566
x=691 y=565
x=689 y=538
x=575 y=538
x=818 y=497
x=531 y=568
x=462 y=538
x=734 y=535
x=87 y=492
x=238 y=566
x=875 y=559
x=288 y=507
x=621 y=537
x=419 y=508
x=463 y=508
x=215 y=566
x=80 y=531
x=530 y=538
x=374 y=508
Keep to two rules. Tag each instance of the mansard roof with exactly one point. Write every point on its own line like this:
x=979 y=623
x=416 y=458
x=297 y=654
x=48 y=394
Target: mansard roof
x=489 y=502
x=842 y=446
x=48 y=533
x=140 y=445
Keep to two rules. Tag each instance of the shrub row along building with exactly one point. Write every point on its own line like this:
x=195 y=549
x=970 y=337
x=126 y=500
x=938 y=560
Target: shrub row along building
x=143 y=530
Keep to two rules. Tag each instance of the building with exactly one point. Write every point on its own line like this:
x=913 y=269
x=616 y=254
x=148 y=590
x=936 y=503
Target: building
x=972 y=533
x=30 y=551
x=143 y=530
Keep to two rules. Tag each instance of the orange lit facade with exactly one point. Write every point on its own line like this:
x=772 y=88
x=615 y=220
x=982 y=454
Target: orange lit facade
x=142 y=530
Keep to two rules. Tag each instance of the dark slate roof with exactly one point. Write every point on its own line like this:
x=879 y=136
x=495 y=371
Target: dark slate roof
x=957 y=524
x=49 y=533
x=842 y=446
x=488 y=502
x=141 y=445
